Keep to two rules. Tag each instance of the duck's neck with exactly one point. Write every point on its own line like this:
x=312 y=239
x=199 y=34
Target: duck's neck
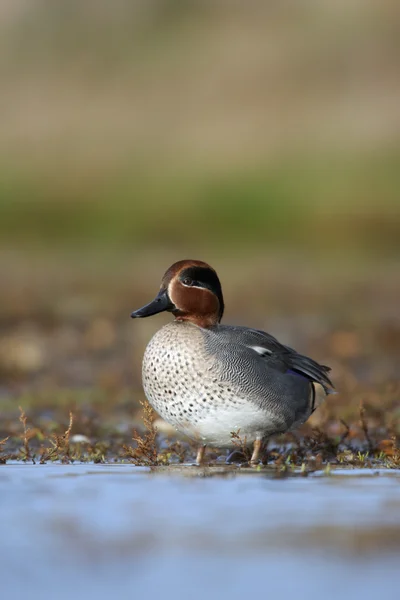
x=203 y=321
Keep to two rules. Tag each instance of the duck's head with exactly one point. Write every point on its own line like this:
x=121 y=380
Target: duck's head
x=191 y=290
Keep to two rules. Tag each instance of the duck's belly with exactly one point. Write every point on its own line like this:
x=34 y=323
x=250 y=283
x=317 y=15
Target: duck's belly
x=184 y=387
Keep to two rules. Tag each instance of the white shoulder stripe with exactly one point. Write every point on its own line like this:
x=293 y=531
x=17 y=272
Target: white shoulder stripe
x=260 y=350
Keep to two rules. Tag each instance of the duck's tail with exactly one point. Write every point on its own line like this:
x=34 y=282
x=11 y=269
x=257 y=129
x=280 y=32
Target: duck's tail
x=318 y=394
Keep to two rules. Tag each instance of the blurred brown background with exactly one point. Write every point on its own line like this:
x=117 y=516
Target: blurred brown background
x=262 y=137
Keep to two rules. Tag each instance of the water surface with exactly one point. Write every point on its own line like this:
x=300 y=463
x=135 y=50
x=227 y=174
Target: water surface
x=99 y=530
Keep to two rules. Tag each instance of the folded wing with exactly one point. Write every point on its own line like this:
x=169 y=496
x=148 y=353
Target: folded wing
x=283 y=358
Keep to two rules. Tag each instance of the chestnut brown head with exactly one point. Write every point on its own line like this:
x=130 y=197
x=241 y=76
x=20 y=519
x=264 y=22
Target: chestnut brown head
x=191 y=290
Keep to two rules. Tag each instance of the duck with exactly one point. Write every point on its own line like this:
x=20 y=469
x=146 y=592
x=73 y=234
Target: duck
x=218 y=383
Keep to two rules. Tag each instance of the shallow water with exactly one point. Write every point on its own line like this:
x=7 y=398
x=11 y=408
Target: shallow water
x=96 y=531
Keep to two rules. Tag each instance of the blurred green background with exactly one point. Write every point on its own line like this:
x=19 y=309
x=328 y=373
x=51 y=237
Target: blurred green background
x=262 y=137
x=181 y=124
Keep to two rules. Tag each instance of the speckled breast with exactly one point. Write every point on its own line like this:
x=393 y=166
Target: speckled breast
x=182 y=381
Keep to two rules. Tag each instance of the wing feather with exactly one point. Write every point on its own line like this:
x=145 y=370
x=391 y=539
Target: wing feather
x=284 y=358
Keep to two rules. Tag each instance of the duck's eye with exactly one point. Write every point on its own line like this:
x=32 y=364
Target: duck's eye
x=190 y=282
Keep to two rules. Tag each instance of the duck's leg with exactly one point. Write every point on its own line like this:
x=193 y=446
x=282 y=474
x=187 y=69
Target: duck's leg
x=200 y=455
x=257 y=449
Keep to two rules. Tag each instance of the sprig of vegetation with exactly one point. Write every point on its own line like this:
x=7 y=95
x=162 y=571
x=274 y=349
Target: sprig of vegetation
x=146 y=452
x=60 y=449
